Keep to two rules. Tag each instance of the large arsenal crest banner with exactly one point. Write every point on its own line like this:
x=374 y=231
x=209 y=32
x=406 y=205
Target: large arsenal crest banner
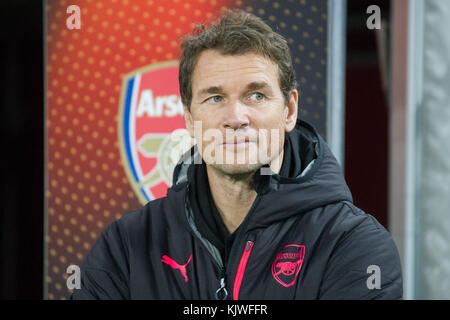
x=150 y=128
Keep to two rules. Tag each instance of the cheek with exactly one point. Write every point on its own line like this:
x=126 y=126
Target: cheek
x=277 y=140
x=205 y=131
x=273 y=121
x=271 y=139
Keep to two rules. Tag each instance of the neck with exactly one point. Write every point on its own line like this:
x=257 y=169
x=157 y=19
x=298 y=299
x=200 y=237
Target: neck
x=234 y=194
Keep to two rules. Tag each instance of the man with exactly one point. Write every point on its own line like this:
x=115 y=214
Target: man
x=280 y=225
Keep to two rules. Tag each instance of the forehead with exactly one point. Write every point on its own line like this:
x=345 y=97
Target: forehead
x=216 y=69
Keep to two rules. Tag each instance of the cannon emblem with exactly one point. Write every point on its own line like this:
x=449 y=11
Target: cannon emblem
x=287 y=264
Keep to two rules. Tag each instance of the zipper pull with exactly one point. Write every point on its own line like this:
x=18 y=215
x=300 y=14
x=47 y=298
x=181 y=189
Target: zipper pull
x=241 y=269
x=222 y=293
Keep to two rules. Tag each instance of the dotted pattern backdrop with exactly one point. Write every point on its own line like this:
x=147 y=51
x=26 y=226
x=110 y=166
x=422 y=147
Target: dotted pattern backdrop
x=304 y=24
x=86 y=184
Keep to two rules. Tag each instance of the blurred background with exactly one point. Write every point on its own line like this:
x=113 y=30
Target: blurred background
x=374 y=79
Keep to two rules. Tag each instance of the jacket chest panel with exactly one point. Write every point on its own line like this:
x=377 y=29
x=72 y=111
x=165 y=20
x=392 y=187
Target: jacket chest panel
x=274 y=267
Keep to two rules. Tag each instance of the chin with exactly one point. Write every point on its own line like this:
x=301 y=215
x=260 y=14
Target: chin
x=237 y=169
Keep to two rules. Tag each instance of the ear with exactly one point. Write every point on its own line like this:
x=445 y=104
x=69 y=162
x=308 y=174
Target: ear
x=290 y=111
x=189 y=121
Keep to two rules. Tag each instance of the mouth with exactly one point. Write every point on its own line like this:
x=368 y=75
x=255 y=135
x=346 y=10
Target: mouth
x=237 y=141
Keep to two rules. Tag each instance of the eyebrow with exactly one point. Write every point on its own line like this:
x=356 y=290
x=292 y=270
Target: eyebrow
x=250 y=87
x=210 y=90
x=257 y=86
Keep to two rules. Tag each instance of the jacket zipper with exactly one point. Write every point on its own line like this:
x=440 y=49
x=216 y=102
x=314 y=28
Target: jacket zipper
x=222 y=292
x=241 y=269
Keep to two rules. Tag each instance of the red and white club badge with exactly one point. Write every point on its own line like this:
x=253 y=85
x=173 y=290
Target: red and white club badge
x=287 y=264
x=152 y=134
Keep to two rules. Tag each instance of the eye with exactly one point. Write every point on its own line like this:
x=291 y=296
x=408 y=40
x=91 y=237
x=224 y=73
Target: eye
x=256 y=96
x=215 y=99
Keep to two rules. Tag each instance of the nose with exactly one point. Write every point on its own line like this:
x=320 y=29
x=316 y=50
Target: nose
x=236 y=116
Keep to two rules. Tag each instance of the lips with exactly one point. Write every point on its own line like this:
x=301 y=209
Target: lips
x=238 y=140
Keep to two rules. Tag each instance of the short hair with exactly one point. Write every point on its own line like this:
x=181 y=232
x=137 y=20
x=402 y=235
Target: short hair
x=236 y=32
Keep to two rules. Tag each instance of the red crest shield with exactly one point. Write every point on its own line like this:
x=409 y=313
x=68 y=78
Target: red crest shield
x=151 y=128
x=287 y=264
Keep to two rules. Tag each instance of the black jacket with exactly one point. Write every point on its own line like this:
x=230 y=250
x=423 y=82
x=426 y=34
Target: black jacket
x=302 y=239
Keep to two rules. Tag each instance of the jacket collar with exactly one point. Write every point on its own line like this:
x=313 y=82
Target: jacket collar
x=320 y=180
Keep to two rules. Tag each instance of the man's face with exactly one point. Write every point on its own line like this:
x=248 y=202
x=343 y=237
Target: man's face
x=238 y=114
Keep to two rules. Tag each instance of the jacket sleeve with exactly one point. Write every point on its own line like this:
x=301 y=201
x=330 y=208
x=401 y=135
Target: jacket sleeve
x=104 y=274
x=365 y=263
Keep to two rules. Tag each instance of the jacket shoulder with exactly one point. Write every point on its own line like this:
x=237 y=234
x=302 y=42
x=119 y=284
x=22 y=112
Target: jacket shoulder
x=363 y=245
x=105 y=273
x=156 y=215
